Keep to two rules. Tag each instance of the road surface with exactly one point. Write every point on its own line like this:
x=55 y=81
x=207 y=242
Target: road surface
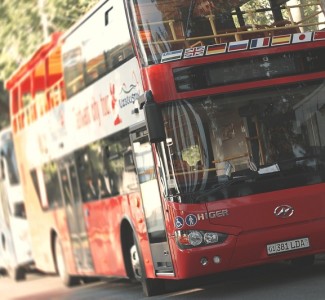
x=279 y=281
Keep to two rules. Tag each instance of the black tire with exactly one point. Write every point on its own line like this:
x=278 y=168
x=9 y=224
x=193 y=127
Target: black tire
x=150 y=287
x=60 y=265
x=303 y=262
x=88 y=280
x=3 y=272
x=17 y=273
x=153 y=287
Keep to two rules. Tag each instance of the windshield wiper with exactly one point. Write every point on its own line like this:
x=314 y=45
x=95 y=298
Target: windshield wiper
x=308 y=161
x=224 y=184
x=189 y=17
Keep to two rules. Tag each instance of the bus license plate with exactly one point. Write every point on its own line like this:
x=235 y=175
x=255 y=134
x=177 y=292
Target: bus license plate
x=287 y=246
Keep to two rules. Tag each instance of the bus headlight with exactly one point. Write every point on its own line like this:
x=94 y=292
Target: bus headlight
x=211 y=237
x=195 y=238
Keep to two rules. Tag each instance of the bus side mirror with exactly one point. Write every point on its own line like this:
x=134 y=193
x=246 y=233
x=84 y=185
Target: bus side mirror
x=154 y=119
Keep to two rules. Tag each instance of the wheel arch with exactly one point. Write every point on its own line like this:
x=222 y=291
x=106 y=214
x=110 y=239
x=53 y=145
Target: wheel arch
x=127 y=241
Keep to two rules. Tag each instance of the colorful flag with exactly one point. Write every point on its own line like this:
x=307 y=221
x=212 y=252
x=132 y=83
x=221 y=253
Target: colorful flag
x=301 y=37
x=319 y=35
x=281 y=39
x=194 y=52
x=172 y=55
x=216 y=49
x=260 y=42
x=238 y=46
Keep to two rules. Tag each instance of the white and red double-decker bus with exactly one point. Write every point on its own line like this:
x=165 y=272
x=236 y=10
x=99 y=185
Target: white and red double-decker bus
x=185 y=139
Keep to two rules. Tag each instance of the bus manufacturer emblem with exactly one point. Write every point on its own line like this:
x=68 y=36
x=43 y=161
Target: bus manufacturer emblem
x=284 y=211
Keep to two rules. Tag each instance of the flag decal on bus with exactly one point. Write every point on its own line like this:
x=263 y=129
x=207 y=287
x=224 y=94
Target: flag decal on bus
x=281 y=39
x=319 y=35
x=171 y=55
x=260 y=43
x=194 y=52
x=252 y=44
x=301 y=37
x=216 y=49
x=238 y=46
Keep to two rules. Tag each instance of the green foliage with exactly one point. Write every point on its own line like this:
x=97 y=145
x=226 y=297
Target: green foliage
x=64 y=13
x=192 y=155
x=22 y=27
x=263 y=18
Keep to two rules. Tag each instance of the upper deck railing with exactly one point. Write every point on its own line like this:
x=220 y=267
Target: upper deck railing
x=251 y=29
x=312 y=18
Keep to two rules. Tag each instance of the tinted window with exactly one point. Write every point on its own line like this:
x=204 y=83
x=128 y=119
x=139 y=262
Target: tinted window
x=52 y=186
x=87 y=56
x=105 y=168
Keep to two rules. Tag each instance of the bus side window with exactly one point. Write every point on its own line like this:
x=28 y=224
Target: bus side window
x=129 y=176
x=19 y=210
x=95 y=60
x=51 y=181
x=33 y=174
x=119 y=55
x=73 y=71
x=119 y=165
x=85 y=175
x=91 y=173
x=110 y=175
x=106 y=168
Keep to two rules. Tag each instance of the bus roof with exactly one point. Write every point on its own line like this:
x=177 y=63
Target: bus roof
x=82 y=19
x=32 y=61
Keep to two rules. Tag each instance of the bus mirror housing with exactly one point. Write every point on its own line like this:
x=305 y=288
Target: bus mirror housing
x=154 y=119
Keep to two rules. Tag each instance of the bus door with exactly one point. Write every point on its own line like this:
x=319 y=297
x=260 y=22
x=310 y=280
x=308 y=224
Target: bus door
x=74 y=213
x=151 y=202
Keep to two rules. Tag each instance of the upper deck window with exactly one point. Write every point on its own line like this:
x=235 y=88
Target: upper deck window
x=168 y=25
x=99 y=45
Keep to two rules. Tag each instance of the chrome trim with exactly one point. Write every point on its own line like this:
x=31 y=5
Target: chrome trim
x=283 y=211
x=166 y=274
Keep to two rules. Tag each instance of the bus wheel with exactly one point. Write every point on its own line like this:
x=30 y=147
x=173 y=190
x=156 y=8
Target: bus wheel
x=67 y=279
x=17 y=273
x=150 y=287
x=305 y=261
x=3 y=272
x=87 y=280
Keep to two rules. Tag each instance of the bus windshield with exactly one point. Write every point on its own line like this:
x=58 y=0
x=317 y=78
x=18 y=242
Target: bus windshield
x=166 y=27
x=255 y=141
x=8 y=153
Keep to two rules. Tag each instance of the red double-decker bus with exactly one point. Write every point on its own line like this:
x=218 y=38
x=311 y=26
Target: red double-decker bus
x=185 y=139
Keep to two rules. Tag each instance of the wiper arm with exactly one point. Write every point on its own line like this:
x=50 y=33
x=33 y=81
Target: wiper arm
x=189 y=17
x=308 y=160
x=220 y=186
